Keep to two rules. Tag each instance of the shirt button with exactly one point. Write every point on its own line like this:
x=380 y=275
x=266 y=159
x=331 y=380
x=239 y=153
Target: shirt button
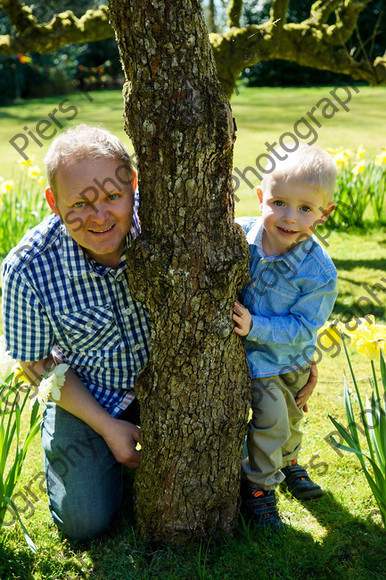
x=129 y=310
x=136 y=347
x=263 y=261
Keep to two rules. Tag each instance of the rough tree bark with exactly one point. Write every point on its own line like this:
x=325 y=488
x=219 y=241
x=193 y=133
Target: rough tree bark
x=186 y=266
x=313 y=42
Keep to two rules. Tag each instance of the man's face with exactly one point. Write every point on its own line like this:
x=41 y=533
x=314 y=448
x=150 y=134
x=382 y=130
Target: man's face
x=94 y=199
x=290 y=210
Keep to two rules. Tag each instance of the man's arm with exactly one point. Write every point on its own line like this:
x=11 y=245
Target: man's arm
x=120 y=436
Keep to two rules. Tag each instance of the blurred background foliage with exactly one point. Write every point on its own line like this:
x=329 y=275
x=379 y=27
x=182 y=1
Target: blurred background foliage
x=89 y=66
x=95 y=65
x=368 y=41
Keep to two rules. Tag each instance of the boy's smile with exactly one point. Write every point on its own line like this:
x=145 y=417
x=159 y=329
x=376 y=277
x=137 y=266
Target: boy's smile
x=290 y=210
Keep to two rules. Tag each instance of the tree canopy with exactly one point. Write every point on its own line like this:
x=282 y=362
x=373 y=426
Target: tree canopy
x=321 y=40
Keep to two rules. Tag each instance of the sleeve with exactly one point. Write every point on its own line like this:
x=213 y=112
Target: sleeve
x=305 y=318
x=28 y=332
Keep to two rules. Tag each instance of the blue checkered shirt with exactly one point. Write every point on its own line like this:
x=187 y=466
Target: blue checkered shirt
x=56 y=300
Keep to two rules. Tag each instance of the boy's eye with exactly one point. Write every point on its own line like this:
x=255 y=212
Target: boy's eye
x=305 y=208
x=278 y=202
x=79 y=204
x=113 y=196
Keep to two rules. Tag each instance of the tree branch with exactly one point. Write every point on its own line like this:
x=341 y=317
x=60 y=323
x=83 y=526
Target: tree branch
x=312 y=43
x=307 y=46
x=321 y=10
x=234 y=13
x=48 y=37
x=212 y=17
x=19 y=15
x=279 y=11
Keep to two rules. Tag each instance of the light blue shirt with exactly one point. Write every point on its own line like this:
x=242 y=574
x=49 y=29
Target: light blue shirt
x=289 y=297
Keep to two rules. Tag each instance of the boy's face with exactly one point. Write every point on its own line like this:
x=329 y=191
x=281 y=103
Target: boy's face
x=96 y=213
x=289 y=210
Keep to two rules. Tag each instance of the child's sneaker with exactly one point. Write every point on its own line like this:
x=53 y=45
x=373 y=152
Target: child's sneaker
x=259 y=506
x=298 y=482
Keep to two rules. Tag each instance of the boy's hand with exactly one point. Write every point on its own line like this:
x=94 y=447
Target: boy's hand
x=242 y=319
x=305 y=393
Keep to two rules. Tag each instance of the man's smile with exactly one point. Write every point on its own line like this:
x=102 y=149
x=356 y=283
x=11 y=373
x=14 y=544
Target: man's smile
x=102 y=231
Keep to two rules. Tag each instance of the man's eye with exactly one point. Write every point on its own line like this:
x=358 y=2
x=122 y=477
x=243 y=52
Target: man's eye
x=278 y=202
x=305 y=208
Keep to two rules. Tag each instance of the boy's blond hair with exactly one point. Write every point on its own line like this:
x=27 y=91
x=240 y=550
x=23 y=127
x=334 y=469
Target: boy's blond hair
x=83 y=142
x=308 y=164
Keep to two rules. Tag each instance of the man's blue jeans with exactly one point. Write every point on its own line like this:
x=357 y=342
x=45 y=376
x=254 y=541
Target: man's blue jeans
x=84 y=481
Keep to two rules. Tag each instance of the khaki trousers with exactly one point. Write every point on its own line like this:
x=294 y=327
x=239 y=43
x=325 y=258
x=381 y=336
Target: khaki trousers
x=274 y=436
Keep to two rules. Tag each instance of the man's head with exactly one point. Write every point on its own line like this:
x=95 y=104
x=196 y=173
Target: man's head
x=92 y=185
x=296 y=197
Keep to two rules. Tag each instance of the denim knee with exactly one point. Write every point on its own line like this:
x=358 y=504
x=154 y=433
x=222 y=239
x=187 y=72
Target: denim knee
x=82 y=524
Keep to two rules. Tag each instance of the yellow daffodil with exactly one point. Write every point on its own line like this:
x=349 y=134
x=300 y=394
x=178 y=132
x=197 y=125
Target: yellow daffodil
x=34 y=172
x=329 y=335
x=6 y=186
x=367 y=337
x=361 y=152
x=358 y=168
x=25 y=162
x=380 y=159
x=341 y=160
x=41 y=181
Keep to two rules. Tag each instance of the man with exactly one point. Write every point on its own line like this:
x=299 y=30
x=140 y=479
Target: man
x=66 y=299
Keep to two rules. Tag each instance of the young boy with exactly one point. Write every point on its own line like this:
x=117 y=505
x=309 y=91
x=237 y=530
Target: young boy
x=290 y=295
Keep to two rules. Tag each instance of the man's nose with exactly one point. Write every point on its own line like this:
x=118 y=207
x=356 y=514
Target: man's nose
x=100 y=211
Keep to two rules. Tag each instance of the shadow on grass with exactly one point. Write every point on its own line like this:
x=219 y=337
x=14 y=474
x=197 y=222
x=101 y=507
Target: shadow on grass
x=356 y=309
x=14 y=564
x=350 y=548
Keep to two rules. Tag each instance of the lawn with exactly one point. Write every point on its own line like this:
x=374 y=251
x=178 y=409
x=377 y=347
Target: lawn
x=338 y=536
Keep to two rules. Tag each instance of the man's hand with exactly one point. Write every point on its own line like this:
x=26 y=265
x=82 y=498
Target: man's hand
x=122 y=438
x=242 y=319
x=305 y=393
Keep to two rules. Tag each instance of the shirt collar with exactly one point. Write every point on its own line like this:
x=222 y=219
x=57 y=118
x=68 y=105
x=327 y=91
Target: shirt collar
x=78 y=264
x=293 y=258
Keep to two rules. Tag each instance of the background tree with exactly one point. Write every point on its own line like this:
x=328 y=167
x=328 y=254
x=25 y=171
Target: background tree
x=324 y=39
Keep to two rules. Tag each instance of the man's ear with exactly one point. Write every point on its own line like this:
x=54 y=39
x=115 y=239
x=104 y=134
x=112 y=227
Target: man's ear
x=328 y=211
x=50 y=197
x=259 y=194
x=134 y=180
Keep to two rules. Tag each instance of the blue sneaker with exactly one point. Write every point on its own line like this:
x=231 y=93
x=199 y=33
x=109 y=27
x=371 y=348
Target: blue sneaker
x=298 y=482
x=259 y=506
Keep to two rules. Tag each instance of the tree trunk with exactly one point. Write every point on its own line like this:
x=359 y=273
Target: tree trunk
x=187 y=267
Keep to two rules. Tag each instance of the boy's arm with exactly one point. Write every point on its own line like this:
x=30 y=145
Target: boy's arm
x=120 y=436
x=243 y=324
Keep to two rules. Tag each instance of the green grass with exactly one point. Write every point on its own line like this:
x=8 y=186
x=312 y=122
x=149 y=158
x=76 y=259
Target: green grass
x=338 y=536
